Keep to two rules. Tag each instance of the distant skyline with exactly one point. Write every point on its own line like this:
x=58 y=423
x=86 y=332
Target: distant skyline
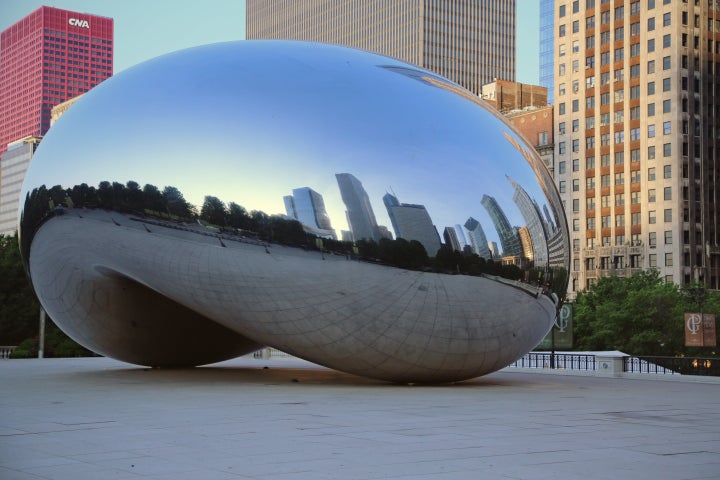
x=144 y=30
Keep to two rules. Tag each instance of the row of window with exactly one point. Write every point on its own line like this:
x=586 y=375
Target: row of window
x=617 y=179
x=608 y=263
x=619 y=199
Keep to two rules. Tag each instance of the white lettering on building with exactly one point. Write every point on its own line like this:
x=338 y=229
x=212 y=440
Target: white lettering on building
x=76 y=22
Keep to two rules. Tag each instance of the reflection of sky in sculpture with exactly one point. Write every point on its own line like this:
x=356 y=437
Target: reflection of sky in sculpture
x=250 y=128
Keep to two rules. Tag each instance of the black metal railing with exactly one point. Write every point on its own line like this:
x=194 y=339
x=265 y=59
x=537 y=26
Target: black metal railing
x=567 y=361
x=673 y=365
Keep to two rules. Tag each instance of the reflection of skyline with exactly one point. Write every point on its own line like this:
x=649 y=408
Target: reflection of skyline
x=478 y=240
x=308 y=207
x=412 y=222
x=359 y=212
x=536 y=243
x=509 y=240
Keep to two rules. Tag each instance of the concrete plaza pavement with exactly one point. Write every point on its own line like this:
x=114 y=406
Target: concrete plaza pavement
x=96 y=418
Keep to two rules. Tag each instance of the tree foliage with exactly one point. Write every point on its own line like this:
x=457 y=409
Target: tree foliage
x=638 y=315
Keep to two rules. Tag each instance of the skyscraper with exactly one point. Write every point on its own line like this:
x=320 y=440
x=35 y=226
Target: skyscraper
x=637 y=121
x=537 y=231
x=508 y=235
x=412 y=222
x=547 y=47
x=477 y=238
x=308 y=207
x=359 y=212
x=471 y=42
x=15 y=162
x=46 y=58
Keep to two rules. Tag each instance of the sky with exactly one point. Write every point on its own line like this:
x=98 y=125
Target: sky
x=145 y=29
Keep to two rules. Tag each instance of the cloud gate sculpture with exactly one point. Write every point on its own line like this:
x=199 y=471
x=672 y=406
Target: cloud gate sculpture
x=344 y=207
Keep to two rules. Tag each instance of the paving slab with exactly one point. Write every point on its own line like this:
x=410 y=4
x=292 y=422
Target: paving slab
x=248 y=418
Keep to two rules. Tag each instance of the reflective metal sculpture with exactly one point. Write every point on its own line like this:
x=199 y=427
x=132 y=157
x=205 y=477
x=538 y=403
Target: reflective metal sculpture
x=344 y=207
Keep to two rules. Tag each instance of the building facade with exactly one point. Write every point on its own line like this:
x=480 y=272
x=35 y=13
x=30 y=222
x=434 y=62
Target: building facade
x=46 y=58
x=636 y=125
x=470 y=42
x=547 y=37
x=412 y=222
x=15 y=161
x=308 y=207
x=358 y=210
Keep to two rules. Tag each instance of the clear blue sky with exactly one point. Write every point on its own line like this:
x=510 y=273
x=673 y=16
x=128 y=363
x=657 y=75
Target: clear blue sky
x=147 y=28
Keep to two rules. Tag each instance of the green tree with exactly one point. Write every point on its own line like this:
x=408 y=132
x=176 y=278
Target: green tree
x=638 y=315
x=213 y=211
x=19 y=310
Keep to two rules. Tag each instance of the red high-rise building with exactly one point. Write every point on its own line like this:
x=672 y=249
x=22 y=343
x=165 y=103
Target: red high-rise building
x=47 y=58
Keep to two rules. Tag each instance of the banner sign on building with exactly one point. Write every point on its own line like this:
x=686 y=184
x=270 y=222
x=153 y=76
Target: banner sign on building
x=700 y=330
x=563 y=331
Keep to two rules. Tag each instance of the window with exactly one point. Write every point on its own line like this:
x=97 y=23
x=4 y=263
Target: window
x=605 y=139
x=561 y=69
x=562 y=147
x=619 y=96
x=651 y=175
x=635 y=114
x=651 y=45
x=652 y=260
x=634 y=133
x=667 y=84
x=620 y=220
x=667 y=106
x=652 y=217
x=589 y=142
x=561 y=31
x=590 y=243
x=562 y=186
x=635 y=71
x=619 y=54
x=605 y=201
x=619 y=239
x=576 y=204
x=635 y=218
x=605 y=160
x=575 y=105
x=590 y=204
x=652 y=239
x=667 y=193
x=575 y=145
x=619 y=137
x=605 y=98
x=634 y=198
x=561 y=127
x=575 y=125
x=590 y=22
x=606 y=222
x=635 y=176
x=604 y=58
x=561 y=166
x=576 y=244
x=651 y=152
x=619 y=13
x=635 y=29
x=651 y=109
x=668 y=237
x=667 y=19
x=666 y=41
x=561 y=12
x=620 y=178
x=634 y=8
x=619 y=199
x=589 y=102
x=576 y=225
x=635 y=155
x=576 y=165
x=619 y=74
x=605 y=180
x=604 y=18
x=590 y=223
x=634 y=50
x=667 y=171
x=619 y=158
x=651 y=195
x=619 y=33
x=561 y=108
x=651 y=131
x=651 y=88
x=576 y=185
x=590 y=162
x=667 y=128
x=651 y=24
x=604 y=119
x=635 y=92
x=576 y=26
x=666 y=63
x=668 y=259
x=651 y=66
x=619 y=116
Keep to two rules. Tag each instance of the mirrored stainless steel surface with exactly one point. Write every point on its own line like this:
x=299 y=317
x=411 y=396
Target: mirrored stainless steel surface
x=342 y=206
